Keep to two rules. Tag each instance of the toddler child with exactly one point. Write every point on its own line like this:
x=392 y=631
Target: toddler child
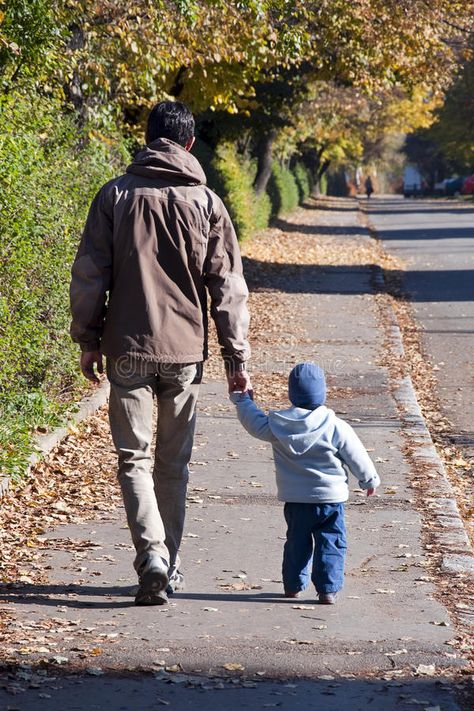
x=311 y=445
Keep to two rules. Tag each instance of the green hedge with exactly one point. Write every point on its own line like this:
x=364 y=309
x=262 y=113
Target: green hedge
x=303 y=181
x=323 y=184
x=283 y=190
x=48 y=176
x=231 y=176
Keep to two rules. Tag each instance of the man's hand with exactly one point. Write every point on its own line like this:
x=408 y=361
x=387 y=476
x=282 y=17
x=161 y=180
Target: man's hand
x=88 y=358
x=370 y=492
x=240 y=381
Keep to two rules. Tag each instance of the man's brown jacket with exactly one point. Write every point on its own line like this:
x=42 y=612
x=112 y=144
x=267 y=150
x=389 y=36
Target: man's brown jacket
x=156 y=241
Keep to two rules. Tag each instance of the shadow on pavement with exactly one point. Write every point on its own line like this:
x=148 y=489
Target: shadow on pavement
x=423 y=286
x=332 y=205
x=332 y=230
x=51 y=595
x=386 y=206
x=25 y=593
x=412 y=234
x=50 y=688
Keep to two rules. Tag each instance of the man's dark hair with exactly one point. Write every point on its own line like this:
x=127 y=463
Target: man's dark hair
x=170 y=119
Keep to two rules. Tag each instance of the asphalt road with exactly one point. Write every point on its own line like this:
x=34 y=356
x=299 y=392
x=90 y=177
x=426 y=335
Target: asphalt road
x=435 y=240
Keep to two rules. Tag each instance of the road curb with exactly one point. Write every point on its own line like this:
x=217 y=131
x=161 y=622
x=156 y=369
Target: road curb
x=44 y=444
x=440 y=498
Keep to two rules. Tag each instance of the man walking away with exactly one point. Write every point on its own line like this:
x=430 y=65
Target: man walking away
x=157 y=241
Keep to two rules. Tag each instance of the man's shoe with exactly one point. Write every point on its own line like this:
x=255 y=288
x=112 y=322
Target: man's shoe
x=176 y=582
x=327 y=598
x=153 y=584
x=290 y=593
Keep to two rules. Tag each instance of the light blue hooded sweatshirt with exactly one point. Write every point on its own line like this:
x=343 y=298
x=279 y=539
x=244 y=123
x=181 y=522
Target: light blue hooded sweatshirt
x=310 y=449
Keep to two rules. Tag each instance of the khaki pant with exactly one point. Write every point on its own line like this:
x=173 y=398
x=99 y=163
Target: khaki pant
x=154 y=493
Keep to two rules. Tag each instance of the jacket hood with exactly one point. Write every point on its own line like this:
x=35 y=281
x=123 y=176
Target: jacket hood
x=165 y=160
x=298 y=429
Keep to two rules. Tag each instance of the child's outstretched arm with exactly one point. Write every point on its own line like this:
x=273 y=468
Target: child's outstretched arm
x=251 y=417
x=354 y=454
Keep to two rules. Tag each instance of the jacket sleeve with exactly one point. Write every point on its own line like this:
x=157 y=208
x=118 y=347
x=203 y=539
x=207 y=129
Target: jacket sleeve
x=91 y=276
x=226 y=285
x=355 y=456
x=251 y=417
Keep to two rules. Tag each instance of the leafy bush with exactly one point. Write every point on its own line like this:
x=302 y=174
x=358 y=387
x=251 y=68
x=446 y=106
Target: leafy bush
x=303 y=181
x=323 y=184
x=283 y=190
x=48 y=176
x=263 y=208
x=231 y=175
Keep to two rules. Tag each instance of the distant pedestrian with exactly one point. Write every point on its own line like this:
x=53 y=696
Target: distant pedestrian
x=156 y=245
x=369 y=187
x=311 y=445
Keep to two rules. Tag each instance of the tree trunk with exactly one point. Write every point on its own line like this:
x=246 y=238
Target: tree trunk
x=264 y=152
x=312 y=160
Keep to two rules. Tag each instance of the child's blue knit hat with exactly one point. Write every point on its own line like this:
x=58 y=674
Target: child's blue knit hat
x=307 y=386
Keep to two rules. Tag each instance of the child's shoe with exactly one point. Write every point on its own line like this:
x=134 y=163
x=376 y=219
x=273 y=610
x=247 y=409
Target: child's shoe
x=290 y=593
x=327 y=598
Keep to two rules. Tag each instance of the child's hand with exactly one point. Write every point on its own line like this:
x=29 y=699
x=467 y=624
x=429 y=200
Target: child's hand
x=370 y=492
x=240 y=381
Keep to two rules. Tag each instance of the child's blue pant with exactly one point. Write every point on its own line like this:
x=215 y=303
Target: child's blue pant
x=320 y=526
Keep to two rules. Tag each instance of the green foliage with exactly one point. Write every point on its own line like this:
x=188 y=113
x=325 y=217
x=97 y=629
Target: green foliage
x=263 y=209
x=29 y=32
x=21 y=414
x=48 y=176
x=303 y=181
x=231 y=175
x=283 y=190
x=453 y=130
x=323 y=184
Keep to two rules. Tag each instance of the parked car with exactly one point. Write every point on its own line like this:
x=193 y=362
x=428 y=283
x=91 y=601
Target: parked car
x=453 y=186
x=440 y=187
x=468 y=186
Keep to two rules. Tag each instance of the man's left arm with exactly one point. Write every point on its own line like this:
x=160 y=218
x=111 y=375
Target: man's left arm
x=228 y=291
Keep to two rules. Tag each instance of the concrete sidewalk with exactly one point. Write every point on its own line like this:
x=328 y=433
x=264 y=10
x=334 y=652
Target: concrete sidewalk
x=231 y=630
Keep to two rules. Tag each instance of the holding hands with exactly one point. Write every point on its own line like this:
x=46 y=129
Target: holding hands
x=239 y=380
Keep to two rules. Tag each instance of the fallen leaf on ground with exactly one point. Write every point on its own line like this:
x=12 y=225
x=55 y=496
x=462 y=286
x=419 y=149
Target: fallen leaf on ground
x=233 y=666
x=174 y=669
x=425 y=670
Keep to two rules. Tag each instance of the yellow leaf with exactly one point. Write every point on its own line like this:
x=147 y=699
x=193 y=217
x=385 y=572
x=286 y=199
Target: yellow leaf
x=233 y=666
